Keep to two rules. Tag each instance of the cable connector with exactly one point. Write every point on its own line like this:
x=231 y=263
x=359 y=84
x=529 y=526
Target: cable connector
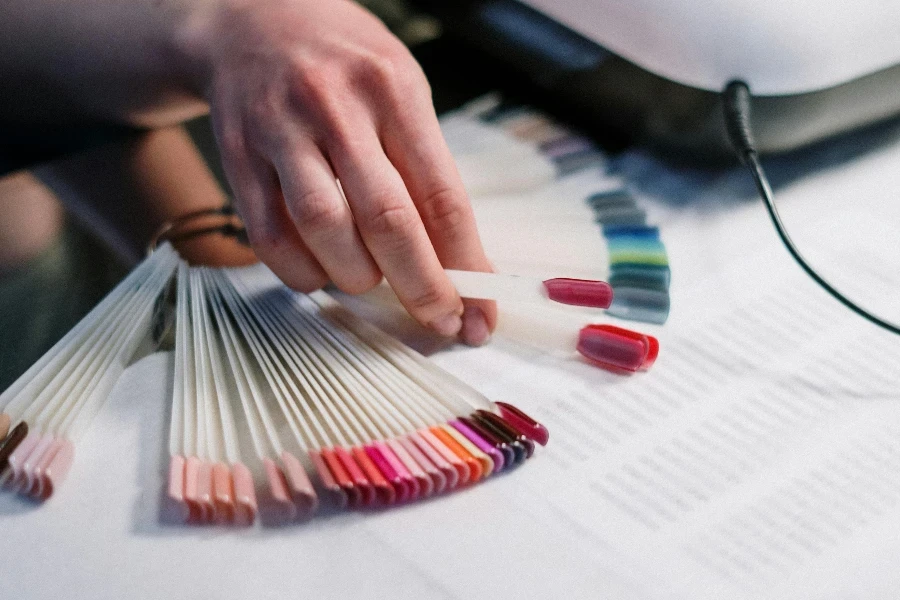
x=736 y=104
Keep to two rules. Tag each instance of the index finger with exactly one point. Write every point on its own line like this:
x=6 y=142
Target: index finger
x=415 y=145
x=392 y=230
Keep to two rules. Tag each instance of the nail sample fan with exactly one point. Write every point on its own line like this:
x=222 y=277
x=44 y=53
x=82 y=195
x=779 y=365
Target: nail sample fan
x=310 y=389
x=281 y=402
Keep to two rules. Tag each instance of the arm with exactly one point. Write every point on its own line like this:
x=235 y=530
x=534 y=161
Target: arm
x=97 y=60
x=301 y=92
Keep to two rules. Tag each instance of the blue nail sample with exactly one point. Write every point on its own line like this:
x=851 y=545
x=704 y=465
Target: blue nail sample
x=645 y=281
x=613 y=198
x=621 y=216
x=631 y=231
x=576 y=161
x=638 y=304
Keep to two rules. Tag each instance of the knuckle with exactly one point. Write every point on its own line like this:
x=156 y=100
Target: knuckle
x=314 y=212
x=390 y=71
x=429 y=296
x=391 y=220
x=310 y=82
x=317 y=91
x=445 y=211
x=379 y=68
x=262 y=108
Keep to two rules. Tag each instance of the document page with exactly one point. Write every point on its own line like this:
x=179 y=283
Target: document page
x=758 y=458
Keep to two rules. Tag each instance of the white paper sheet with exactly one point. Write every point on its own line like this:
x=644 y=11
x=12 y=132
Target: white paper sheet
x=759 y=458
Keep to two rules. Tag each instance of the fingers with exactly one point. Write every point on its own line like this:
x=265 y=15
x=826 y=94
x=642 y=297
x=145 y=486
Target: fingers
x=415 y=145
x=354 y=106
x=269 y=227
x=323 y=218
x=392 y=230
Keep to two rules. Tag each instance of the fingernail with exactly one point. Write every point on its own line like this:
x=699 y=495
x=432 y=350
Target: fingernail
x=448 y=325
x=475 y=330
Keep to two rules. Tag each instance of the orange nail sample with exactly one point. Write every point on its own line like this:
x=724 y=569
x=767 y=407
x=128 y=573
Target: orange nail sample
x=385 y=493
x=476 y=471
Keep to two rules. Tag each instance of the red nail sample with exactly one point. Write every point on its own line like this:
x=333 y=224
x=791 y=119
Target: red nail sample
x=617 y=348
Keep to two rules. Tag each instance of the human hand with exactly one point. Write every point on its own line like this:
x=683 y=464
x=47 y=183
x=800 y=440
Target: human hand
x=305 y=91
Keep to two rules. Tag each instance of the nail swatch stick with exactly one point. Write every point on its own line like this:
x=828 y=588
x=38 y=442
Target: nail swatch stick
x=369 y=392
x=287 y=498
x=531 y=290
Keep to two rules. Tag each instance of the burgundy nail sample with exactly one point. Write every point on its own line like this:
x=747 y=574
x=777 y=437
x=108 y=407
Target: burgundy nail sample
x=524 y=423
x=501 y=425
x=579 y=292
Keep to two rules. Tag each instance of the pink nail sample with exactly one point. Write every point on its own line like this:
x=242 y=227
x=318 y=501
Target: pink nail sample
x=302 y=490
x=175 y=489
x=19 y=456
x=279 y=498
x=223 y=492
x=438 y=480
x=384 y=491
x=205 y=492
x=448 y=475
x=425 y=485
x=55 y=473
x=412 y=485
x=44 y=487
x=463 y=473
x=30 y=484
x=401 y=492
x=191 y=492
x=244 y=495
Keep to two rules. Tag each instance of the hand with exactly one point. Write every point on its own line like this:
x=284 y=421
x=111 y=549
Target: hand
x=302 y=92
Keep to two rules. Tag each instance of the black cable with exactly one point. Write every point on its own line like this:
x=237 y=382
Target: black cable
x=736 y=104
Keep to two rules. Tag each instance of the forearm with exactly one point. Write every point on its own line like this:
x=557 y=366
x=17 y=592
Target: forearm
x=125 y=192
x=125 y=61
